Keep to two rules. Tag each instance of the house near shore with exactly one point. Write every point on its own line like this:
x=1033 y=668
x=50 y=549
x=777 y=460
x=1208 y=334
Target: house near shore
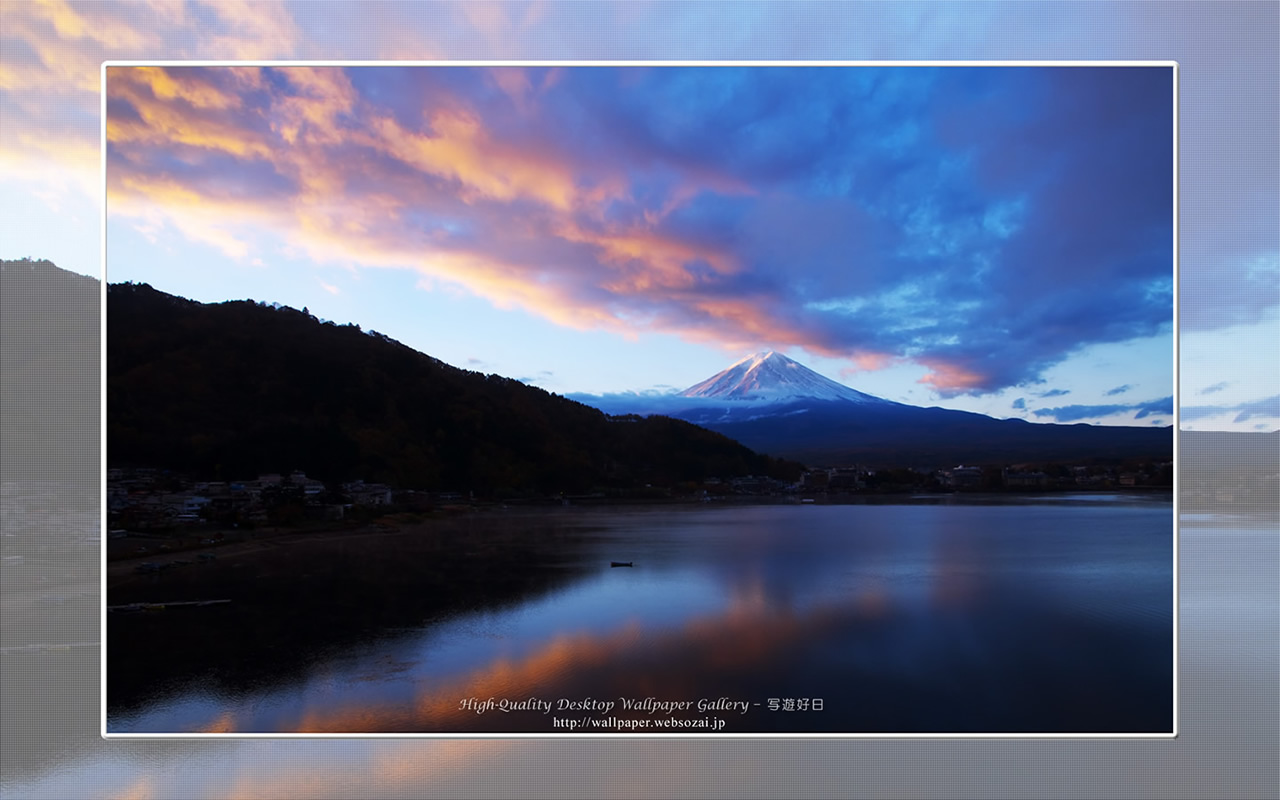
x=1025 y=480
x=368 y=494
x=963 y=477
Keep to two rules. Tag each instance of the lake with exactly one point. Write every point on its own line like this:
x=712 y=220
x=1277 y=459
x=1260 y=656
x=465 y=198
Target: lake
x=950 y=614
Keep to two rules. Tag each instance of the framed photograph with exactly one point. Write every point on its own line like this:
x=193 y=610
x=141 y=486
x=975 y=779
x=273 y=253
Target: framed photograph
x=640 y=400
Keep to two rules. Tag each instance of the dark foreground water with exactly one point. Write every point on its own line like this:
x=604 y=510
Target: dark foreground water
x=1035 y=616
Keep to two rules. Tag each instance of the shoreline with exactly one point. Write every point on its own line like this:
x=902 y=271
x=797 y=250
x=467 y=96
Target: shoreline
x=240 y=542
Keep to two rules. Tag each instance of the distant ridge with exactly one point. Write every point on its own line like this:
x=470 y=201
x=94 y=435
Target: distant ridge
x=773 y=404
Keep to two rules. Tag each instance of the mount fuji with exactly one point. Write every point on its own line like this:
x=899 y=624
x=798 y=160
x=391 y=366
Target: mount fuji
x=774 y=378
x=775 y=405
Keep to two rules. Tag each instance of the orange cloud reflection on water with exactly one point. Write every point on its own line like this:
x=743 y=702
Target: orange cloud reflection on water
x=635 y=661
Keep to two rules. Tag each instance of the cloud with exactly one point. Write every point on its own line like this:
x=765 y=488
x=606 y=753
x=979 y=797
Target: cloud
x=734 y=206
x=1020 y=403
x=1054 y=393
x=541 y=376
x=1080 y=412
x=1118 y=390
x=50 y=76
x=1265 y=407
x=1216 y=387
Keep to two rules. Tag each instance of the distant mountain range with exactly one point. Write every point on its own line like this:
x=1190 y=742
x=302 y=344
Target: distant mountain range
x=772 y=403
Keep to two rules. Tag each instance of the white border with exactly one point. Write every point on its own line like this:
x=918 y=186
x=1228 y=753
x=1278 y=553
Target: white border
x=691 y=735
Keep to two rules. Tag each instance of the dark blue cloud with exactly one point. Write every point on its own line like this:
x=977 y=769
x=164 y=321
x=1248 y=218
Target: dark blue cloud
x=1217 y=387
x=1020 y=403
x=1267 y=407
x=1118 y=390
x=1161 y=406
x=1078 y=412
x=1054 y=393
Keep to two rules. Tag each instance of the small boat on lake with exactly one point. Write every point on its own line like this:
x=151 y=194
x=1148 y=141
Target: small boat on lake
x=620 y=564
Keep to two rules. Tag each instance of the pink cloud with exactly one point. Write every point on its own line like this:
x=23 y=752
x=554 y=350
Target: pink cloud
x=951 y=379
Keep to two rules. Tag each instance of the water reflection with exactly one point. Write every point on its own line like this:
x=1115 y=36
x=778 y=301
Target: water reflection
x=931 y=619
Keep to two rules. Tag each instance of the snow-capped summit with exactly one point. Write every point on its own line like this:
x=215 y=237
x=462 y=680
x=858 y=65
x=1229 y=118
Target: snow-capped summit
x=772 y=377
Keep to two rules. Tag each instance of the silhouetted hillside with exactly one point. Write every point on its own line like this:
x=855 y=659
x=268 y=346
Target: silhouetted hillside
x=50 y=329
x=238 y=388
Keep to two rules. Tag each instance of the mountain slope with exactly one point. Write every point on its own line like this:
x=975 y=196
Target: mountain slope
x=238 y=388
x=772 y=377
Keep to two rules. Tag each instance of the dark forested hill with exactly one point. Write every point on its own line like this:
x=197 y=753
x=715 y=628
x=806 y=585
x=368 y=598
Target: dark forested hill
x=238 y=388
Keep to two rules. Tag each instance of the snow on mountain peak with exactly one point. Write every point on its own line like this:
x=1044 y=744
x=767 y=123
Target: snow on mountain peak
x=773 y=377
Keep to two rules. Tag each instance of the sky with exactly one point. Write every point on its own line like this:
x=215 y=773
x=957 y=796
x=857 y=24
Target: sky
x=992 y=239
x=944 y=233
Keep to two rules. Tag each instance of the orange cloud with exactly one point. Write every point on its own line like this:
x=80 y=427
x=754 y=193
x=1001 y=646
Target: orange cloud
x=951 y=379
x=863 y=361
x=645 y=260
x=324 y=93
x=151 y=92
x=741 y=322
x=154 y=202
x=169 y=84
x=460 y=149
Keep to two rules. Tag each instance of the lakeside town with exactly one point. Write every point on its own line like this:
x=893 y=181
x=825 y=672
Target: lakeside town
x=150 y=501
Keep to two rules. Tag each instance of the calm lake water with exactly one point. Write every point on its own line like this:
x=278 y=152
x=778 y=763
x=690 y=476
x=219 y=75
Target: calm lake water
x=951 y=615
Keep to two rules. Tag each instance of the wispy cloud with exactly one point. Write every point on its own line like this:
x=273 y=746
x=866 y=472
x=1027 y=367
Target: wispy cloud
x=1216 y=387
x=1118 y=390
x=540 y=377
x=1054 y=393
